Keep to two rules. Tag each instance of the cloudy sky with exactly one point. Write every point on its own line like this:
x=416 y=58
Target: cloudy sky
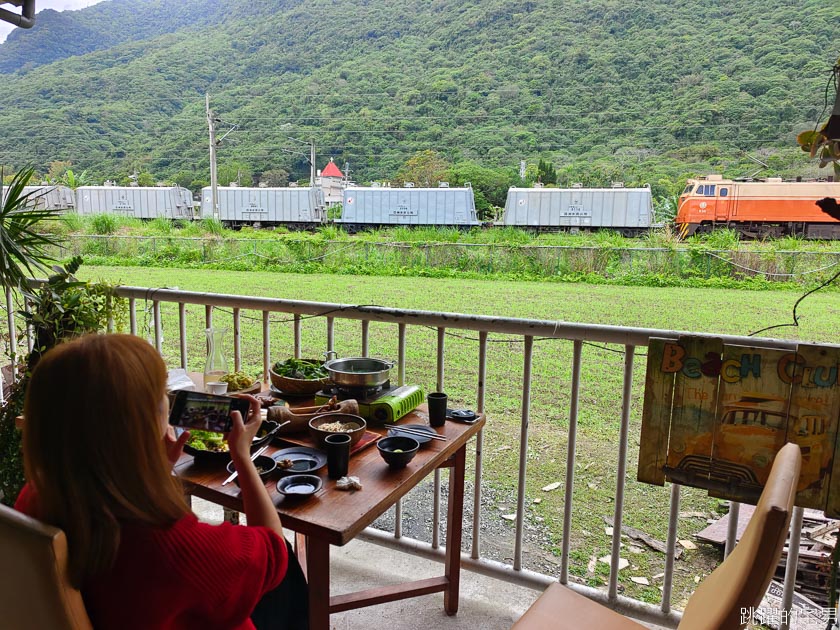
x=40 y=5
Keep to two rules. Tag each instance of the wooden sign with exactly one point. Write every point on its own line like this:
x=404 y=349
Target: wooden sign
x=715 y=416
x=656 y=415
x=695 y=362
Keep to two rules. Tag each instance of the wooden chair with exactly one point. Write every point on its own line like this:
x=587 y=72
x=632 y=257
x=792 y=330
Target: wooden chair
x=35 y=593
x=740 y=582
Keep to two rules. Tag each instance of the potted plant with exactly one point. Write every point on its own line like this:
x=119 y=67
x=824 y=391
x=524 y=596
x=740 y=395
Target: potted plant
x=59 y=308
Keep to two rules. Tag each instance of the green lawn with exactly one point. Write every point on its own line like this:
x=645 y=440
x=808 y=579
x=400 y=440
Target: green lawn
x=700 y=310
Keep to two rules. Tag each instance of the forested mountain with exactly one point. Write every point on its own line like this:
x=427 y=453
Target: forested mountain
x=636 y=90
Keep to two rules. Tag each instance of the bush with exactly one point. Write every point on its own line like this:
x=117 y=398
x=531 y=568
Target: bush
x=104 y=223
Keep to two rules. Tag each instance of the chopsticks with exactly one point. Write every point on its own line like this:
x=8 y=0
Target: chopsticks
x=253 y=457
x=419 y=433
x=259 y=451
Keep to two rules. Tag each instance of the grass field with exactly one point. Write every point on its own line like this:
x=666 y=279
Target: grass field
x=699 y=310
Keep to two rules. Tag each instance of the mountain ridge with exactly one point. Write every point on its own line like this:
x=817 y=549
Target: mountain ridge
x=630 y=90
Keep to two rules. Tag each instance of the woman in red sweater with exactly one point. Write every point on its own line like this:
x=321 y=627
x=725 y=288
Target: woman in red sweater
x=98 y=455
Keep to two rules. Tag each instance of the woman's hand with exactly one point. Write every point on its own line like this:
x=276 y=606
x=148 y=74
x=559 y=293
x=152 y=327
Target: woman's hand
x=174 y=446
x=243 y=431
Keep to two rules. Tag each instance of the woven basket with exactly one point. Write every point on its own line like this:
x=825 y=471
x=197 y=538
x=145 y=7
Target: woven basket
x=300 y=386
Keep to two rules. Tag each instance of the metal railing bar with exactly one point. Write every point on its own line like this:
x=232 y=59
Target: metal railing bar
x=436 y=511
x=266 y=334
x=132 y=316
x=237 y=340
x=506 y=325
x=158 y=325
x=365 y=337
x=523 y=452
x=671 y=547
x=731 y=528
x=330 y=333
x=298 y=332
x=441 y=353
x=626 y=399
x=30 y=342
x=441 y=356
x=10 y=314
x=791 y=565
x=182 y=333
x=401 y=352
x=398 y=519
x=479 y=446
x=577 y=352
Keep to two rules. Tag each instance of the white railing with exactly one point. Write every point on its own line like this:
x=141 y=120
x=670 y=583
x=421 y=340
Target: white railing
x=525 y=332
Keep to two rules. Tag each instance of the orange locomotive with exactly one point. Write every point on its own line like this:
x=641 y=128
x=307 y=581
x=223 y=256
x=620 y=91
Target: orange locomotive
x=758 y=208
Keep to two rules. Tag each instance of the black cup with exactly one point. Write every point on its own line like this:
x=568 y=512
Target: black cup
x=437 y=409
x=338 y=455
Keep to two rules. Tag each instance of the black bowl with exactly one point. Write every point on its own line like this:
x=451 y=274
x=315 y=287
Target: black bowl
x=265 y=463
x=299 y=485
x=397 y=450
x=223 y=457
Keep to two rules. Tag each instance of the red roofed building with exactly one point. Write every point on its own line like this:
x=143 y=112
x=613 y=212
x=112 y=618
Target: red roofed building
x=331 y=181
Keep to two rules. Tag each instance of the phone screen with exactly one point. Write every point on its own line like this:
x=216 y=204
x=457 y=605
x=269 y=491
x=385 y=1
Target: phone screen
x=207 y=412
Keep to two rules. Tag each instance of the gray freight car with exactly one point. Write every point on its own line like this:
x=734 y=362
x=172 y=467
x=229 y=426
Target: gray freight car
x=364 y=207
x=51 y=197
x=628 y=210
x=297 y=207
x=142 y=202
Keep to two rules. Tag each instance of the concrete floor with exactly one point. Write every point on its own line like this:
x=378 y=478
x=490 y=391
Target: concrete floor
x=485 y=603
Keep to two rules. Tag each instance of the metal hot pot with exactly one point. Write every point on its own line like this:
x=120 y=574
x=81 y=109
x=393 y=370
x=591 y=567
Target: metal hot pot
x=358 y=371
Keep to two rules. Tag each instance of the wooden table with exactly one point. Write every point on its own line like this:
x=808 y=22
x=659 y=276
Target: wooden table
x=334 y=517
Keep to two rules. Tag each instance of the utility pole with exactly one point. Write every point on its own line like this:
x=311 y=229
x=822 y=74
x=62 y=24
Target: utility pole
x=214 y=179
x=312 y=163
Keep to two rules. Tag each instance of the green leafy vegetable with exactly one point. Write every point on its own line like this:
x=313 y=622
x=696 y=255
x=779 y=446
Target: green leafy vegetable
x=300 y=368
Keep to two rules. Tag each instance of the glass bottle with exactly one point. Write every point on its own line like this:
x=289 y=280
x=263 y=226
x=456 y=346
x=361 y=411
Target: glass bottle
x=216 y=366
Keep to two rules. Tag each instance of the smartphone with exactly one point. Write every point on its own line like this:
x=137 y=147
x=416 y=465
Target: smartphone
x=207 y=412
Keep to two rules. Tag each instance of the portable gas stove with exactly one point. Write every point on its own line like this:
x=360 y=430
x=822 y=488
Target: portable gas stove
x=382 y=404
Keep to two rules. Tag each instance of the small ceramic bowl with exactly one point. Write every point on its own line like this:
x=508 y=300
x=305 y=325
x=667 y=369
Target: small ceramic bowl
x=397 y=450
x=299 y=485
x=320 y=435
x=216 y=387
x=265 y=465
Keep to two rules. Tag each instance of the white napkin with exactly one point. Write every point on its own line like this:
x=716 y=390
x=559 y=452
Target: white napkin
x=177 y=379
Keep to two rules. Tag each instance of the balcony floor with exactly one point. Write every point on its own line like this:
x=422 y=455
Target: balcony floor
x=486 y=603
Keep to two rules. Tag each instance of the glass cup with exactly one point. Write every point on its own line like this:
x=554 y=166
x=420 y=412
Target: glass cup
x=437 y=409
x=338 y=455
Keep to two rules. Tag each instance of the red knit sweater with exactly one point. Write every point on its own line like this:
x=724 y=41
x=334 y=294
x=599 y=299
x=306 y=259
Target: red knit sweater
x=190 y=575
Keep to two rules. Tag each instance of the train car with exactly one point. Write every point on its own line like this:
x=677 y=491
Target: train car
x=757 y=209
x=628 y=210
x=369 y=207
x=142 y=202
x=296 y=207
x=51 y=197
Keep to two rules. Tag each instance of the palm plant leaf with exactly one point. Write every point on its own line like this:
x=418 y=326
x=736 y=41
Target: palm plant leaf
x=23 y=249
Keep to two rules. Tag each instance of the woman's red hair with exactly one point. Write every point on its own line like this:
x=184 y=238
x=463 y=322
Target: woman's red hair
x=93 y=448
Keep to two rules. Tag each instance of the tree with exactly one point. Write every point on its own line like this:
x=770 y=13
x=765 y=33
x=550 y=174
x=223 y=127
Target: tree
x=489 y=185
x=57 y=169
x=424 y=168
x=275 y=177
x=546 y=172
x=234 y=172
x=74 y=181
